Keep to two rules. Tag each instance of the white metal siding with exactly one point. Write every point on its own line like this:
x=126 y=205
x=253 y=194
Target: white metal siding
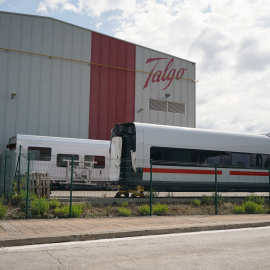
x=181 y=91
x=52 y=94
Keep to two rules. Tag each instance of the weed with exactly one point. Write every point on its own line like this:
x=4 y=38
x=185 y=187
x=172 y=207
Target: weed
x=124 y=211
x=3 y=209
x=115 y=203
x=253 y=208
x=154 y=194
x=169 y=195
x=124 y=204
x=54 y=203
x=196 y=202
x=160 y=209
x=40 y=207
x=108 y=210
x=206 y=200
x=256 y=199
x=239 y=209
x=104 y=195
x=63 y=211
x=144 y=209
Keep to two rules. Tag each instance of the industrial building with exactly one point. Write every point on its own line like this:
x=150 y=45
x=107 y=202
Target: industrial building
x=58 y=79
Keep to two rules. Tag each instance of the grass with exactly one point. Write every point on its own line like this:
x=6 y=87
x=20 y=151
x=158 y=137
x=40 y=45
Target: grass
x=43 y=208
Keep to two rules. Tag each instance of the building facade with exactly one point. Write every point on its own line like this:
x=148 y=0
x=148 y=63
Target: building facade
x=58 y=79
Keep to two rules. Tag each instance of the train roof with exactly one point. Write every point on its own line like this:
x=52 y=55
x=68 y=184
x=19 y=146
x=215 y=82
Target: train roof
x=19 y=138
x=193 y=138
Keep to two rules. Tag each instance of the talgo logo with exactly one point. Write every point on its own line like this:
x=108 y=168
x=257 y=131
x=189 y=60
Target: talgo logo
x=166 y=75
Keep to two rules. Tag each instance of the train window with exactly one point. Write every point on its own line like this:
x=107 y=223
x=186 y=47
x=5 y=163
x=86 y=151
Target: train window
x=209 y=158
x=174 y=156
x=225 y=159
x=40 y=153
x=240 y=160
x=99 y=161
x=61 y=160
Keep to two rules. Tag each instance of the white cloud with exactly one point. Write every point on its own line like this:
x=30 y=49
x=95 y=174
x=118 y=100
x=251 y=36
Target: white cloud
x=2 y=1
x=229 y=41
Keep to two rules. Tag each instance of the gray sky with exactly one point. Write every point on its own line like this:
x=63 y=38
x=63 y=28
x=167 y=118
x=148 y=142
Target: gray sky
x=229 y=41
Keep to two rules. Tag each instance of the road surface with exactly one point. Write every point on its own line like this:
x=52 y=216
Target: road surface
x=230 y=249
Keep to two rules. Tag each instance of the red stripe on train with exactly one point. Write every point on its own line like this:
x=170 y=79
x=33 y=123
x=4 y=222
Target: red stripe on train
x=249 y=173
x=183 y=171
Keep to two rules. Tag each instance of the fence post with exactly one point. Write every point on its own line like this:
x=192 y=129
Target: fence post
x=19 y=175
x=27 y=186
x=71 y=184
x=151 y=165
x=215 y=189
x=269 y=187
x=5 y=172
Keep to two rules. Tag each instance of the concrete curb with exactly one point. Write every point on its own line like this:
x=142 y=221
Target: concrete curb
x=122 y=234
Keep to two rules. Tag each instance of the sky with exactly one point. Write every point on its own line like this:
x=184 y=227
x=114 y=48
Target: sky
x=228 y=40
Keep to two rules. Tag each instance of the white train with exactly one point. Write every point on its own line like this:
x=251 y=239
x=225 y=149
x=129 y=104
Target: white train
x=184 y=158
x=52 y=155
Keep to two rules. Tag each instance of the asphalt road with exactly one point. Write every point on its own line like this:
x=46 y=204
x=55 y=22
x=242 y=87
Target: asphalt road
x=231 y=249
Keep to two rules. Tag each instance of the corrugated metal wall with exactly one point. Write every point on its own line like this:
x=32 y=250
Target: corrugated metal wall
x=151 y=86
x=112 y=96
x=52 y=94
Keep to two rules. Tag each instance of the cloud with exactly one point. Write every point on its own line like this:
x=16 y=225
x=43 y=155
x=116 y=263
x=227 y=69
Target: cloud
x=2 y=1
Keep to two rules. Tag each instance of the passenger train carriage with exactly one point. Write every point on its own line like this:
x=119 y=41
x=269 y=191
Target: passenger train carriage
x=52 y=155
x=184 y=158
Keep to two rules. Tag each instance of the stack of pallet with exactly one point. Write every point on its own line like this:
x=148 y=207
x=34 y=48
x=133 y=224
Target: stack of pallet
x=40 y=184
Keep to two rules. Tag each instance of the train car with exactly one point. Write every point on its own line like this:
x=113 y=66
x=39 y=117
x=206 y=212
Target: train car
x=53 y=155
x=183 y=159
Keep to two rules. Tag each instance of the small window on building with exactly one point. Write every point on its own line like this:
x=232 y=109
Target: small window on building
x=99 y=161
x=63 y=158
x=40 y=153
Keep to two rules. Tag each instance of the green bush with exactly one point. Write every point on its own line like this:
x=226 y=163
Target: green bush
x=76 y=210
x=54 y=203
x=239 y=209
x=124 y=211
x=40 y=207
x=196 y=202
x=108 y=210
x=3 y=209
x=144 y=209
x=160 y=209
x=253 y=208
x=256 y=199
x=124 y=204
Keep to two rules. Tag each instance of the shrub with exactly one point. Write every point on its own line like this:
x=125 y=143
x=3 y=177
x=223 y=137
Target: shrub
x=124 y=211
x=76 y=210
x=253 y=208
x=239 y=209
x=3 y=209
x=160 y=209
x=54 y=203
x=196 y=202
x=144 y=209
x=40 y=207
x=256 y=199
x=124 y=204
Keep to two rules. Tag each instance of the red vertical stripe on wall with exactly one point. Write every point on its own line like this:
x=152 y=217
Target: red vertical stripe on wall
x=112 y=90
